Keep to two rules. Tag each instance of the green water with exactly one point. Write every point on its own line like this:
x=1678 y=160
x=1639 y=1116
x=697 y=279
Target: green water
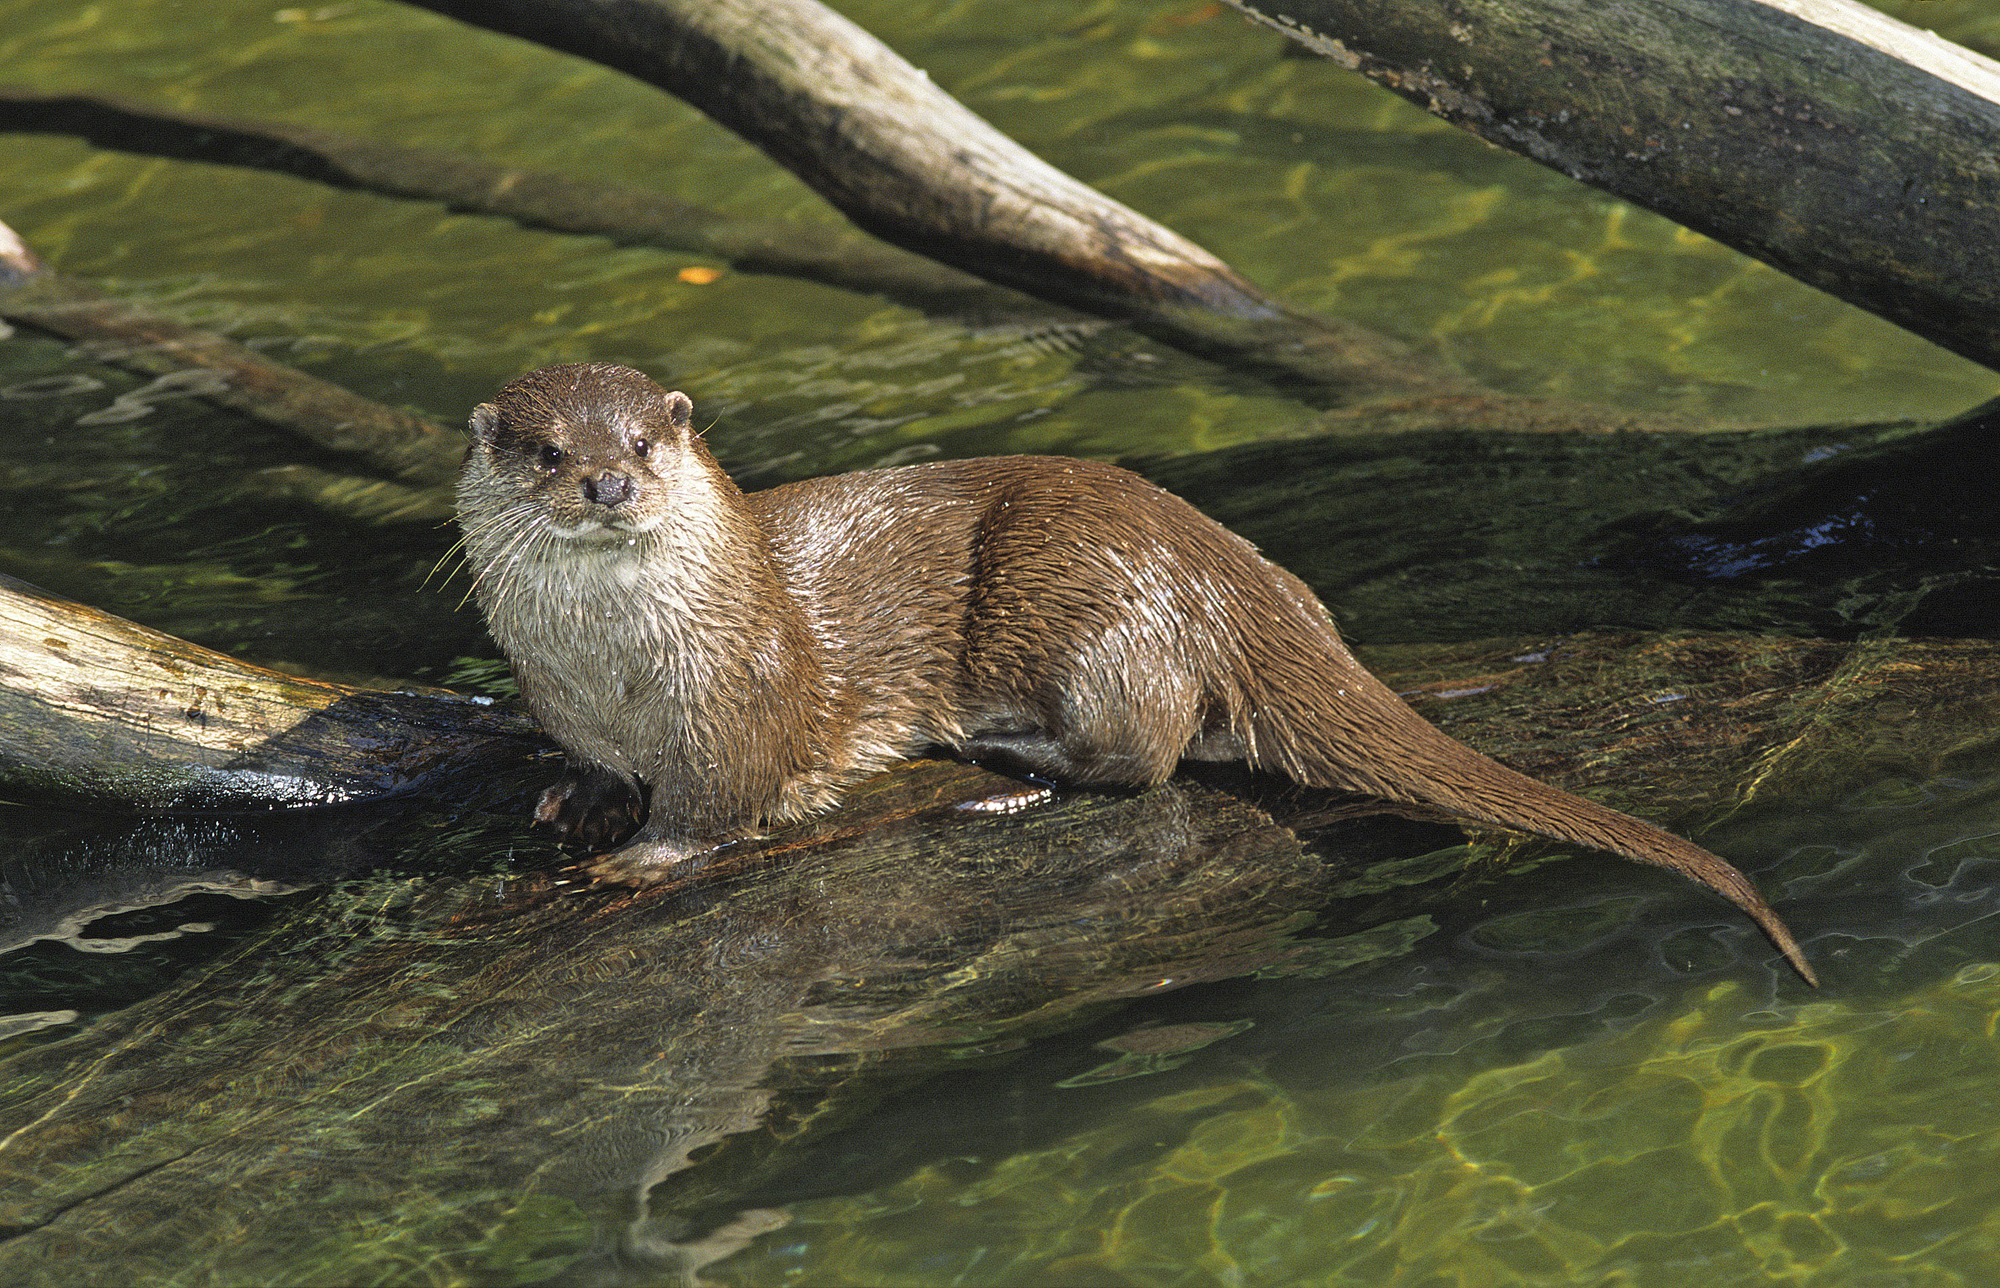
x=1574 y=1075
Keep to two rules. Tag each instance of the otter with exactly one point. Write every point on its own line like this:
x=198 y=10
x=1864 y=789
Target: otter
x=715 y=662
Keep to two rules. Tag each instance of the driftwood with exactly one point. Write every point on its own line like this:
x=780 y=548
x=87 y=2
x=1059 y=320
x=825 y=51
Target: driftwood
x=98 y=711
x=1833 y=143
x=226 y=373
x=909 y=163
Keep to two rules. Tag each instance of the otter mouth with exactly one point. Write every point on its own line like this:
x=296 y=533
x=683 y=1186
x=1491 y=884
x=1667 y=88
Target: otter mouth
x=605 y=528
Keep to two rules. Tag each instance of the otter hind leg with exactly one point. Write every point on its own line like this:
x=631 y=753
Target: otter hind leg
x=1031 y=754
x=1074 y=757
x=1091 y=721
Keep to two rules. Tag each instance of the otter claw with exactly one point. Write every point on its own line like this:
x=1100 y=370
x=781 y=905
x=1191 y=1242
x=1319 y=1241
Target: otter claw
x=587 y=810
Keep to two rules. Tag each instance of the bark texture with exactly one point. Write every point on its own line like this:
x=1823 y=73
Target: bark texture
x=99 y=711
x=1835 y=144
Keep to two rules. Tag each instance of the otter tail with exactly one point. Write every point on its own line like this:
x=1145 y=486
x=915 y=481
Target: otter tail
x=1428 y=767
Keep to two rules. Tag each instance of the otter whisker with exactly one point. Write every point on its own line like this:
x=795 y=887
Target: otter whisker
x=443 y=559
x=526 y=539
x=516 y=528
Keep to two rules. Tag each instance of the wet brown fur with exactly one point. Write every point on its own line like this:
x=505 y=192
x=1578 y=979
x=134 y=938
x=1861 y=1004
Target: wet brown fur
x=750 y=655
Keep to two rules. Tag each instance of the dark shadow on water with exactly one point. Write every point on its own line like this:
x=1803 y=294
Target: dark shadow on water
x=1836 y=532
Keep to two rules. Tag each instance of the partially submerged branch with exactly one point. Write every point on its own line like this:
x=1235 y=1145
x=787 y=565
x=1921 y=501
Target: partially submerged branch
x=97 y=710
x=1833 y=143
x=222 y=371
x=909 y=163
x=627 y=216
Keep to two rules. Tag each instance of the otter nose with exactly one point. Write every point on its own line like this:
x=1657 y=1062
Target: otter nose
x=608 y=488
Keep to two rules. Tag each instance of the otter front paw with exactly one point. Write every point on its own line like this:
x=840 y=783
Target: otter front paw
x=588 y=809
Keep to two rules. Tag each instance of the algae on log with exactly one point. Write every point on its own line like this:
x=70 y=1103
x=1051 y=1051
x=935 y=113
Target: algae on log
x=1684 y=729
x=1832 y=142
x=542 y=1081
x=99 y=711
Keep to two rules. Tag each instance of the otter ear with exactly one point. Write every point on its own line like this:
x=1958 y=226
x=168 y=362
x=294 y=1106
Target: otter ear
x=680 y=411
x=485 y=419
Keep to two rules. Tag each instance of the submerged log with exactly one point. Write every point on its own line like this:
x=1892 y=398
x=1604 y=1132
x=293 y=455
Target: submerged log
x=909 y=163
x=508 y=1081
x=1826 y=139
x=627 y=216
x=222 y=371
x=1433 y=534
x=1909 y=515
x=427 y=455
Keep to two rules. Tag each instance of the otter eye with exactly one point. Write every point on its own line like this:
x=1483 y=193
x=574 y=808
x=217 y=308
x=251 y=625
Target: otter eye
x=640 y=447
x=552 y=456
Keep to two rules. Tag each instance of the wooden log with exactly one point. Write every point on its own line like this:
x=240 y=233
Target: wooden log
x=1833 y=143
x=228 y=374
x=99 y=711
x=1690 y=728
x=909 y=163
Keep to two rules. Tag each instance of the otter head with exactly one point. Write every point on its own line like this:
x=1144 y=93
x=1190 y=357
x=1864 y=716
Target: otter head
x=595 y=448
